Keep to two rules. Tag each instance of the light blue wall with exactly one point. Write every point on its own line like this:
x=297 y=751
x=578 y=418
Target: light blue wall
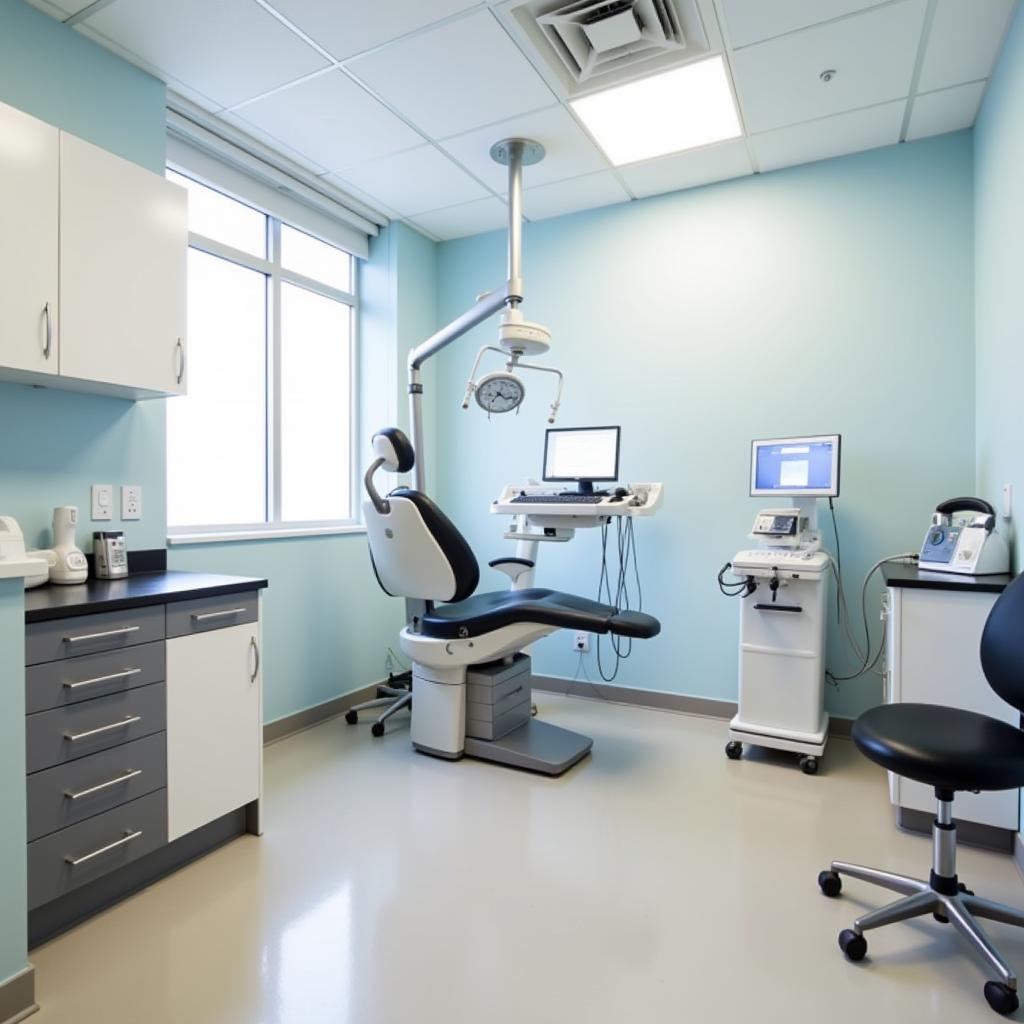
x=13 y=906
x=830 y=297
x=57 y=443
x=999 y=257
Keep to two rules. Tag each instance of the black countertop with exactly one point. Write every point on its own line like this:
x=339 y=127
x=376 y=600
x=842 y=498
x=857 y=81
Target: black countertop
x=53 y=601
x=898 y=574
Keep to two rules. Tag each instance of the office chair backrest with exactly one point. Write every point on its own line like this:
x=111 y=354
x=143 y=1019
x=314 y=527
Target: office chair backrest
x=1002 y=645
x=415 y=548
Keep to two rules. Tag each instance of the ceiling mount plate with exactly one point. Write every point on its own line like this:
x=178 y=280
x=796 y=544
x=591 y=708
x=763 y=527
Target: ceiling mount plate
x=533 y=152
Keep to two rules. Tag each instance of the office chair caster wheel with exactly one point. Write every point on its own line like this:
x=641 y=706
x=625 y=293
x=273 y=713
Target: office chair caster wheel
x=830 y=883
x=853 y=945
x=809 y=765
x=377 y=728
x=351 y=717
x=734 y=750
x=1000 y=997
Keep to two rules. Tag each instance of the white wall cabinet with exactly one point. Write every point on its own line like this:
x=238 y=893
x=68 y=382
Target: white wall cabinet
x=29 y=182
x=214 y=725
x=933 y=641
x=94 y=258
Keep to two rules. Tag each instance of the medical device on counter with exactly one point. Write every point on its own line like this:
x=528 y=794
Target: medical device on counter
x=71 y=565
x=962 y=538
x=12 y=549
x=109 y=554
x=783 y=584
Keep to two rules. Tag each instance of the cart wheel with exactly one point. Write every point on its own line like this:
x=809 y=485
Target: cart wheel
x=1001 y=998
x=853 y=945
x=377 y=728
x=809 y=765
x=734 y=750
x=830 y=883
x=351 y=717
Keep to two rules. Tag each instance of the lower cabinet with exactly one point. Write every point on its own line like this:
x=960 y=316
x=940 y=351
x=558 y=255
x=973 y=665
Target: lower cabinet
x=214 y=751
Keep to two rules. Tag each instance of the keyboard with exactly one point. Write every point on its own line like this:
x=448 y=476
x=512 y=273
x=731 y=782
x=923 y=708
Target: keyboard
x=557 y=499
x=812 y=560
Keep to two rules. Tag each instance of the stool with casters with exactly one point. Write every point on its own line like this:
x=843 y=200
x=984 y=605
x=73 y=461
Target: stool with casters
x=950 y=750
x=392 y=696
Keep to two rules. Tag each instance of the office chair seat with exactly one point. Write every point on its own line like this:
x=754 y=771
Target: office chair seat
x=483 y=613
x=943 y=747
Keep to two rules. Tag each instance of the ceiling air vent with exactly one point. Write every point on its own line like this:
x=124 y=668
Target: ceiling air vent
x=591 y=44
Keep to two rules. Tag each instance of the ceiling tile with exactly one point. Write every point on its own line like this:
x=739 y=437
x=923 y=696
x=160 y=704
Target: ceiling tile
x=873 y=56
x=230 y=50
x=687 y=170
x=466 y=219
x=363 y=197
x=345 y=29
x=750 y=21
x=831 y=136
x=271 y=141
x=455 y=77
x=416 y=180
x=945 y=111
x=569 y=152
x=584 y=193
x=964 y=41
x=332 y=120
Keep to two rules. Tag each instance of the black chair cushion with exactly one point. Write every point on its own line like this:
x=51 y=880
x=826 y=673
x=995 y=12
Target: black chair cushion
x=942 y=747
x=486 y=612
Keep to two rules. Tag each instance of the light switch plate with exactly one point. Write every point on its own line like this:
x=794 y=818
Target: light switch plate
x=131 y=501
x=102 y=502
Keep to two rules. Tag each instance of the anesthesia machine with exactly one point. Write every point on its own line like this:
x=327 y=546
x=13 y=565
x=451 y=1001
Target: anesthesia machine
x=783 y=587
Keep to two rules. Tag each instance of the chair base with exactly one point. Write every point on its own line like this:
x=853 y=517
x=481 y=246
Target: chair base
x=391 y=698
x=944 y=896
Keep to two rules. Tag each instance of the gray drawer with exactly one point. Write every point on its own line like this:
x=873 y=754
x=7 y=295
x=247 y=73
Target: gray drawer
x=90 y=634
x=206 y=613
x=50 y=871
x=72 y=792
x=46 y=733
x=513 y=696
x=495 y=727
x=56 y=683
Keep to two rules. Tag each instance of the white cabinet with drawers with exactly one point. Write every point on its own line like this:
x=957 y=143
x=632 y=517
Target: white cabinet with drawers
x=92 y=266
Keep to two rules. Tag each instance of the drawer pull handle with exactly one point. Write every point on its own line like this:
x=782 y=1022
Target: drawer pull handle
x=49 y=331
x=103 y=679
x=206 y=616
x=101 y=636
x=130 y=774
x=128 y=837
x=256 y=653
x=131 y=720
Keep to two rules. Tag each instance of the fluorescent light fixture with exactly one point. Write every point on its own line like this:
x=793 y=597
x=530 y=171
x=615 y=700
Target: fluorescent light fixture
x=679 y=109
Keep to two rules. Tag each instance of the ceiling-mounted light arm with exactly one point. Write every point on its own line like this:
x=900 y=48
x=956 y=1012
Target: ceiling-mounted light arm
x=515 y=153
x=471 y=383
x=561 y=380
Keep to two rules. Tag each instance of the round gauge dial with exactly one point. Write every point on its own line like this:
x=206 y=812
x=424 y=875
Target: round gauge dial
x=500 y=392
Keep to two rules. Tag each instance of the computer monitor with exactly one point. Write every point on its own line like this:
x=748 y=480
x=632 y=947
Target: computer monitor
x=582 y=455
x=795 y=467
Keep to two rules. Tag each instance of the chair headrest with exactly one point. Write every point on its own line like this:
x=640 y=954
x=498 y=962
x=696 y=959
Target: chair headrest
x=391 y=445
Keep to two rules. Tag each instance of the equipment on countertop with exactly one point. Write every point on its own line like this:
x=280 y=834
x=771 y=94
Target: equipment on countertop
x=110 y=554
x=71 y=565
x=12 y=549
x=962 y=538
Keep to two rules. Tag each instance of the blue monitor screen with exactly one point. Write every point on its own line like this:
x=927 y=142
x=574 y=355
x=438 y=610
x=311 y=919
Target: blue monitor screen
x=796 y=466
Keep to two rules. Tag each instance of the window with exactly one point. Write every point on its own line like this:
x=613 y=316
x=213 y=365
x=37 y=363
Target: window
x=262 y=442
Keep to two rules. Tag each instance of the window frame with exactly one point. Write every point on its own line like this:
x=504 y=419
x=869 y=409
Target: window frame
x=276 y=274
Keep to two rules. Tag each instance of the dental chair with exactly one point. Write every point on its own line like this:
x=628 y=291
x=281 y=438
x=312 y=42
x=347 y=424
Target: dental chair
x=476 y=640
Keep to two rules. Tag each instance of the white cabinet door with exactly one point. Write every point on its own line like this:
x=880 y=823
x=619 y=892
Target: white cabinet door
x=123 y=250
x=214 y=725
x=28 y=242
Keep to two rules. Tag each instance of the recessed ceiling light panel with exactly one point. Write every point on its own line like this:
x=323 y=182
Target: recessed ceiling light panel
x=681 y=109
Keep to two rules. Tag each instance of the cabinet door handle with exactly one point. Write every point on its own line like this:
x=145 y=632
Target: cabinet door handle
x=256 y=652
x=72 y=737
x=103 y=679
x=49 y=331
x=206 y=616
x=131 y=773
x=180 y=349
x=128 y=837
x=101 y=636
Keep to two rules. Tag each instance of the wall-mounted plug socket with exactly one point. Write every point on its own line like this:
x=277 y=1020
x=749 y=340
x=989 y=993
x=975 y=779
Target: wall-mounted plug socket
x=131 y=501
x=102 y=502
x=581 y=642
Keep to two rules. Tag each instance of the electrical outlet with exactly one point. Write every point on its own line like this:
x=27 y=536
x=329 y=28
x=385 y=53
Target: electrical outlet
x=102 y=502
x=581 y=642
x=131 y=501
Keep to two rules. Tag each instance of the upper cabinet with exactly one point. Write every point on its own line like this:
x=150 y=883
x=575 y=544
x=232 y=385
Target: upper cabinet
x=29 y=182
x=93 y=266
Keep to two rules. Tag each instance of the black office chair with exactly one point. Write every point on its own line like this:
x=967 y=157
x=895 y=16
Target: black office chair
x=950 y=750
